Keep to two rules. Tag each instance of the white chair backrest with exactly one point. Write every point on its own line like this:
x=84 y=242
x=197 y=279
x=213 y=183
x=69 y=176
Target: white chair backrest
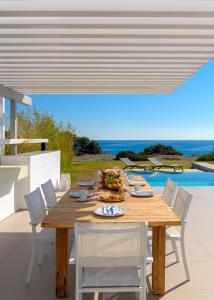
x=36 y=206
x=169 y=192
x=104 y=245
x=49 y=193
x=182 y=203
x=154 y=161
x=127 y=161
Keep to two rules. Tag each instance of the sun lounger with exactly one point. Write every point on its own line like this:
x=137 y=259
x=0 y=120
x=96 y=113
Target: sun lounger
x=158 y=165
x=131 y=165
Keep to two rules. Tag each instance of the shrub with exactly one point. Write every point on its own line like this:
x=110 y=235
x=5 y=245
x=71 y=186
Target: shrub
x=161 y=149
x=35 y=125
x=131 y=155
x=206 y=157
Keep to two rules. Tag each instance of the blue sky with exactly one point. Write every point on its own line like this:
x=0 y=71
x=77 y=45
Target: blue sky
x=188 y=113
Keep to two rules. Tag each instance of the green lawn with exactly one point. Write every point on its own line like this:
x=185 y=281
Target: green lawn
x=79 y=169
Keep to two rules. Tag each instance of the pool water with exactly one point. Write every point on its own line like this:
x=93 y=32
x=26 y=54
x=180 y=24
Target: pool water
x=182 y=179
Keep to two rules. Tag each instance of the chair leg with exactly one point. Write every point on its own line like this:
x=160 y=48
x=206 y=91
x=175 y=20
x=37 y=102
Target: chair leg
x=41 y=256
x=142 y=295
x=175 y=250
x=32 y=259
x=183 y=252
x=78 y=296
x=96 y=295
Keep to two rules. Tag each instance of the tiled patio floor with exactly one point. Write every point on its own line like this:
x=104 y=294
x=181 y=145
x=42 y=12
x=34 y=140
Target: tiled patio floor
x=15 y=246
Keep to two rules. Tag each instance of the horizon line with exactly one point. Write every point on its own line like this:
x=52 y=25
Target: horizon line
x=153 y=140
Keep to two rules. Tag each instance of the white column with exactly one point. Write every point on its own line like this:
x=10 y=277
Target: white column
x=13 y=124
x=2 y=127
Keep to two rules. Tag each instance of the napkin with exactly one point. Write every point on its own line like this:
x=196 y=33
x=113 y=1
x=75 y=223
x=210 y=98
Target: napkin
x=110 y=210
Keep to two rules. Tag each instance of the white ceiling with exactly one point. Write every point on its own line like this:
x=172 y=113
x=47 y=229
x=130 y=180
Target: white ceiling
x=114 y=46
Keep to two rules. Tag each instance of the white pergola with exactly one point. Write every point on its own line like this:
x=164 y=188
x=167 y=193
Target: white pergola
x=14 y=97
x=103 y=47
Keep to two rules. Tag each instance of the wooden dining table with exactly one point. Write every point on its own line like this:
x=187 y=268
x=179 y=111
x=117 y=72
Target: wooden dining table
x=68 y=211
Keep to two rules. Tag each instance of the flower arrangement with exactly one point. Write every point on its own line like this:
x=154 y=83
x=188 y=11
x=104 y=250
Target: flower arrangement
x=111 y=179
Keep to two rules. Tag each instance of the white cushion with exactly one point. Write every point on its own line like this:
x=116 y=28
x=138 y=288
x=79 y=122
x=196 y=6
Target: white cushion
x=110 y=277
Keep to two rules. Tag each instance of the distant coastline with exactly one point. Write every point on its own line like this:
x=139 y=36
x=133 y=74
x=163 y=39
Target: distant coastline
x=187 y=147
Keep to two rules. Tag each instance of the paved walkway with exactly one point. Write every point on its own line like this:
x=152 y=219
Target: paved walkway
x=15 y=246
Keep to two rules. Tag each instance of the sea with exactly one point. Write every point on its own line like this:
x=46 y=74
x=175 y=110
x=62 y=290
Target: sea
x=186 y=147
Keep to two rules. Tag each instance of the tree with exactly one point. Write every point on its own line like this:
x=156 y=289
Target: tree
x=81 y=144
x=84 y=145
x=94 y=147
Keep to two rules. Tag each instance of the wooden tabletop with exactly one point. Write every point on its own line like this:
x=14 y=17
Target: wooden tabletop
x=153 y=210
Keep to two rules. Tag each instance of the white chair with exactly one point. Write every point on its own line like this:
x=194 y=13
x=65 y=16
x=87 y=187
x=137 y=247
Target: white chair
x=49 y=193
x=110 y=258
x=180 y=208
x=36 y=207
x=170 y=192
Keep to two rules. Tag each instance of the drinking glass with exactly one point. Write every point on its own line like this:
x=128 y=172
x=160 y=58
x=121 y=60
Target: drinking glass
x=96 y=187
x=65 y=182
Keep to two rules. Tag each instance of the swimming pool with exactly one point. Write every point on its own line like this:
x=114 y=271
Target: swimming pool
x=182 y=179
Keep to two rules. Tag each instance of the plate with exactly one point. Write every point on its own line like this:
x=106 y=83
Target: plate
x=79 y=200
x=137 y=182
x=142 y=194
x=110 y=211
x=86 y=183
x=77 y=194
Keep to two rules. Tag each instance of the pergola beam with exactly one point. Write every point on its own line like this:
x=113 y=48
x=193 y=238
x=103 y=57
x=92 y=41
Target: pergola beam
x=14 y=95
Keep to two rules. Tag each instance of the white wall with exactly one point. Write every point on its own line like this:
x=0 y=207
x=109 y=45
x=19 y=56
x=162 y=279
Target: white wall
x=36 y=168
x=44 y=167
x=7 y=179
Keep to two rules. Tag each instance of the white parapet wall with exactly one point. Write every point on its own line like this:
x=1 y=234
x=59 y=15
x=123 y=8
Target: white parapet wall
x=7 y=179
x=34 y=168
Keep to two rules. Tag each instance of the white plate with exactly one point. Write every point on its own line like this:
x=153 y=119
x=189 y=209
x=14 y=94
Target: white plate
x=77 y=194
x=86 y=183
x=142 y=194
x=137 y=182
x=117 y=211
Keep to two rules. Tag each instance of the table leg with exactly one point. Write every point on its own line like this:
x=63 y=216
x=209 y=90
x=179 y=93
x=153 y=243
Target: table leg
x=158 y=266
x=61 y=262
